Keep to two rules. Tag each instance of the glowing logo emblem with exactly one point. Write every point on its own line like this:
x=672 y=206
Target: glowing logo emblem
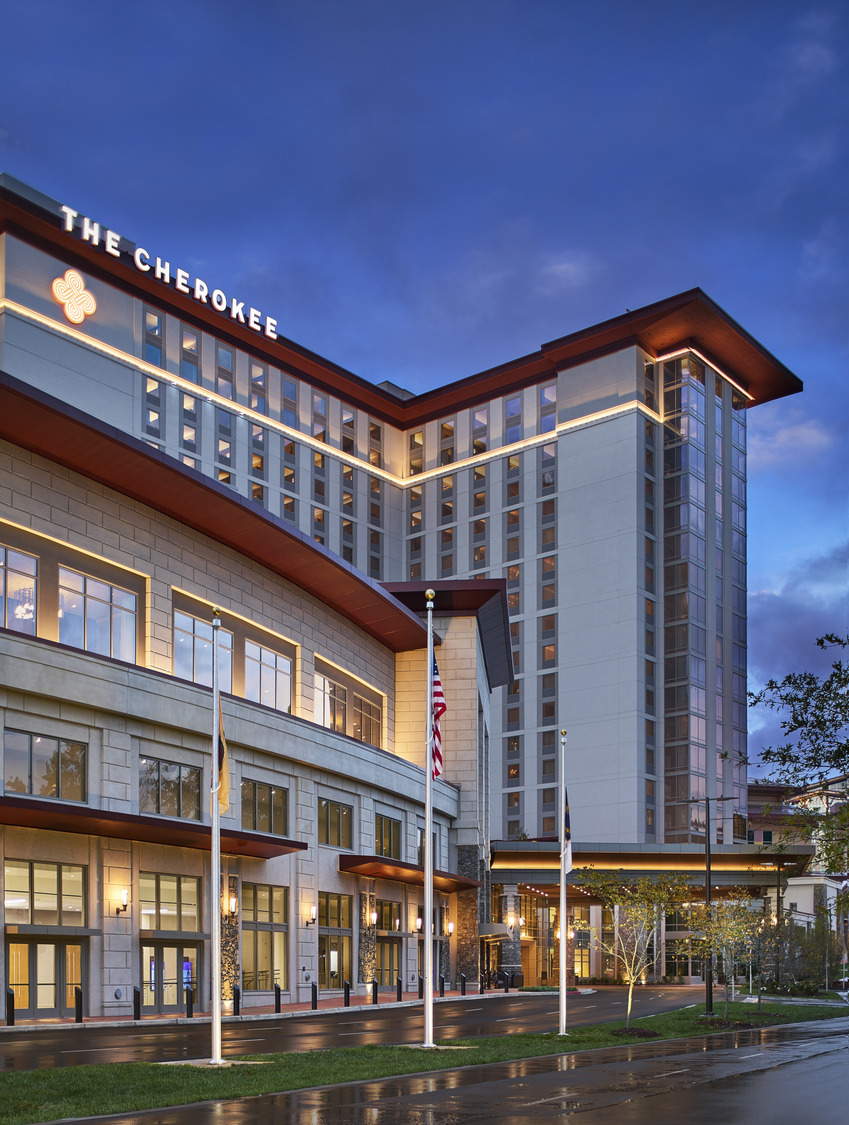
x=72 y=295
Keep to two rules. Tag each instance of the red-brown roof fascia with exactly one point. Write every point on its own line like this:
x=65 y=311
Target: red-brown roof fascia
x=44 y=425
x=378 y=867
x=58 y=816
x=689 y=319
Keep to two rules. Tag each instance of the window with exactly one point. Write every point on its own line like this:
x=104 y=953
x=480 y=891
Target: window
x=189 y=423
x=225 y=365
x=193 y=651
x=335 y=965
x=154 y=337
x=169 y=902
x=319 y=417
x=45 y=767
x=44 y=894
x=387 y=836
x=512 y=420
x=169 y=789
x=268 y=677
x=265 y=937
x=480 y=423
x=265 y=808
x=548 y=467
x=547 y=407
x=446 y=443
x=333 y=693
x=18 y=587
x=335 y=823
x=96 y=616
x=366 y=721
x=416 y=452
x=290 y=403
x=331 y=703
x=152 y=411
x=259 y=387
x=189 y=354
x=224 y=435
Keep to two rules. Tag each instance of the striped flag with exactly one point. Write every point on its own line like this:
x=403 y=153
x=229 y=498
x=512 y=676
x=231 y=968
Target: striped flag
x=223 y=765
x=567 y=836
x=439 y=710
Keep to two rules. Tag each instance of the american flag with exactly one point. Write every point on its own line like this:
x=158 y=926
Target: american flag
x=439 y=710
x=567 y=834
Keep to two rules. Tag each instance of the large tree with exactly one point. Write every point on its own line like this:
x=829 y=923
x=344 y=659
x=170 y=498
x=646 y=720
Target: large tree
x=815 y=721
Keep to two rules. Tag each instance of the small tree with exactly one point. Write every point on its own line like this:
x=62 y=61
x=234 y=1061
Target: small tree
x=725 y=929
x=639 y=905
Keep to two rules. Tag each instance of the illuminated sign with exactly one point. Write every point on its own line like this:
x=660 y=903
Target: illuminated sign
x=181 y=280
x=72 y=295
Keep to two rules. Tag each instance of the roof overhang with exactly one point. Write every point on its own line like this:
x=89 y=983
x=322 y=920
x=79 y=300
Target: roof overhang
x=45 y=425
x=747 y=866
x=379 y=867
x=484 y=598
x=25 y=812
x=689 y=319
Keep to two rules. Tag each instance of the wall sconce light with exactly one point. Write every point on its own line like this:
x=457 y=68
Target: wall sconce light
x=419 y=923
x=125 y=899
x=234 y=906
x=450 y=929
x=397 y=923
x=512 y=921
x=311 y=920
x=373 y=917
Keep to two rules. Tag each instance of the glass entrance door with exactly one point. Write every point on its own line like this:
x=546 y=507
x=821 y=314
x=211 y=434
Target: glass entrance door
x=388 y=962
x=44 y=975
x=168 y=969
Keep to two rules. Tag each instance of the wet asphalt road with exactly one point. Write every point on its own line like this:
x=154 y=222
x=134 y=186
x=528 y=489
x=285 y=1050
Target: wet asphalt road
x=52 y=1045
x=779 y=1076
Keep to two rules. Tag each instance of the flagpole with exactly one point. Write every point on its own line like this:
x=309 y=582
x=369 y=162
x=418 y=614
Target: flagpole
x=215 y=876
x=427 y=921
x=564 y=926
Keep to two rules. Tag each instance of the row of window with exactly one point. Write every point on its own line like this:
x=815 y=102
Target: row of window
x=102 y=617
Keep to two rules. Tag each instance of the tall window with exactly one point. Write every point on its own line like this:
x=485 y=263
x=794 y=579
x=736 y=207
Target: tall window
x=193 y=651
x=45 y=767
x=189 y=354
x=259 y=387
x=96 y=616
x=268 y=677
x=265 y=937
x=18 y=587
x=387 y=836
x=225 y=371
x=366 y=721
x=169 y=789
x=154 y=337
x=44 y=894
x=331 y=703
x=265 y=808
x=169 y=902
x=335 y=933
x=335 y=823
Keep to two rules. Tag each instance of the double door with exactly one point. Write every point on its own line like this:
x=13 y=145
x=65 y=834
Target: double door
x=168 y=969
x=44 y=974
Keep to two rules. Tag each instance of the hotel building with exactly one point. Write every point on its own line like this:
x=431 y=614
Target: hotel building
x=599 y=483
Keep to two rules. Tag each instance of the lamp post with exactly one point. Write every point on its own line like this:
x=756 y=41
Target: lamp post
x=709 y=968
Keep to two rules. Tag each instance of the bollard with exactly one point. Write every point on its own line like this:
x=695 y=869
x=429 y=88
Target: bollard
x=483 y=983
x=10 y=1007
x=441 y=985
x=190 y=1002
x=421 y=987
x=237 y=1000
x=462 y=984
x=346 y=992
x=78 y=1004
x=315 y=996
x=398 y=993
x=374 y=992
x=506 y=983
x=136 y=1003
x=277 y=999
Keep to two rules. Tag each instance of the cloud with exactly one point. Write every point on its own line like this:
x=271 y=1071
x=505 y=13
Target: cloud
x=790 y=440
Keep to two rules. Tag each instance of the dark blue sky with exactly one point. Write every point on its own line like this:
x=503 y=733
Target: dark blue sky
x=419 y=191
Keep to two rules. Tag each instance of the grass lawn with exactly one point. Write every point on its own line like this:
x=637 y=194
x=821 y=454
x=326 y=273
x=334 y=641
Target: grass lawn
x=82 y=1091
